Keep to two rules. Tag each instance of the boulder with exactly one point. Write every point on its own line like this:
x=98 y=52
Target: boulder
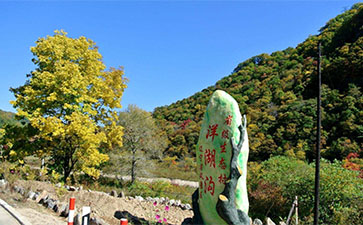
x=41 y=196
x=139 y=198
x=3 y=183
x=257 y=222
x=172 y=202
x=63 y=210
x=50 y=204
x=188 y=207
x=113 y=193
x=269 y=221
x=21 y=190
x=44 y=200
x=77 y=219
x=16 y=188
x=214 y=153
x=118 y=215
x=97 y=221
x=56 y=205
x=31 y=195
x=177 y=203
x=72 y=188
x=121 y=195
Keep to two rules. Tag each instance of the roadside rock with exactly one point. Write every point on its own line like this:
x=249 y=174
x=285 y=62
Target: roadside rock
x=113 y=193
x=31 y=195
x=188 y=207
x=257 y=222
x=77 y=219
x=121 y=195
x=41 y=196
x=171 y=202
x=269 y=221
x=139 y=198
x=177 y=203
x=50 y=203
x=118 y=215
x=63 y=210
x=97 y=221
x=72 y=188
x=3 y=183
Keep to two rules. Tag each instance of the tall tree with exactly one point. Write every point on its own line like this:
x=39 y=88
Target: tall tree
x=141 y=136
x=71 y=100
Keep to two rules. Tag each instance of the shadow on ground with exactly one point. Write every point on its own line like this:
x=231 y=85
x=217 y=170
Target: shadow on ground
x=131 y=218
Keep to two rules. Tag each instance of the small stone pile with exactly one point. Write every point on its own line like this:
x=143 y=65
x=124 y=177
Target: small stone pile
x=162 y=200
x=268 y=222
x=60 y=208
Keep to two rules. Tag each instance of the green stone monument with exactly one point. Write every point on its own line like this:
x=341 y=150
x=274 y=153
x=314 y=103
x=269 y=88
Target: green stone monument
x=222 y=154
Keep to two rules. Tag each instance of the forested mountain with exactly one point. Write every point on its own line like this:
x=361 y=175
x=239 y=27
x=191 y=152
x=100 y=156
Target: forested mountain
x=278 y=93
x=7 y=118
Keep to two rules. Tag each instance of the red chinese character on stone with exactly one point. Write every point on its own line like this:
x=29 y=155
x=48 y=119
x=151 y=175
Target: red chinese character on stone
x=225 y=134
x=222 y=164
x=201 y=148
x=205 y=184
x=211 y=185
x=200 y=188
x=223 y=147
x=210 y=157
x=228 y=120
x=212 y=131
x=222 y=179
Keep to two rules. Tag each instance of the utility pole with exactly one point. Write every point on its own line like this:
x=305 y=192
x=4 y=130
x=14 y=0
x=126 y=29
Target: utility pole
x=317 y=160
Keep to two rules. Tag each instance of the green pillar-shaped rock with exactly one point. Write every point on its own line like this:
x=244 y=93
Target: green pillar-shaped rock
x=214 y=151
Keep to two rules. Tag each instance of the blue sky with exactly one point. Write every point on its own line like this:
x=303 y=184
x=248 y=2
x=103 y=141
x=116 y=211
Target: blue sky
x=169 y=49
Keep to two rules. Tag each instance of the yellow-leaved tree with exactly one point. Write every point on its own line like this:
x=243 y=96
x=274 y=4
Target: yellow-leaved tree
x=71 y=100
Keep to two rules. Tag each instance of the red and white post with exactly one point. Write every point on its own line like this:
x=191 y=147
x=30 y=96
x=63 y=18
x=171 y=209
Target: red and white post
x=72 y=202
x=123 y=221
x=86 y=213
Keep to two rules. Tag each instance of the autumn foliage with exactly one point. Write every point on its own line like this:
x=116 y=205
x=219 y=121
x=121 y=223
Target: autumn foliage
x=278 y=92
x=71 y=99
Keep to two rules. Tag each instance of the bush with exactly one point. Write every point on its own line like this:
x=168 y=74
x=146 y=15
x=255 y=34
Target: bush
x=284 y=178
x=12 y=172
x=161 y=189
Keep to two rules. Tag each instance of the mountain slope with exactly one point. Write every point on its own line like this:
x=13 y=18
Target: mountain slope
x=7 y=118
x=277 y=92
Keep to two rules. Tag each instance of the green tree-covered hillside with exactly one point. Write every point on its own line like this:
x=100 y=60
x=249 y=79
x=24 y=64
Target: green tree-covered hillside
x=278 y=93
x=7 y=118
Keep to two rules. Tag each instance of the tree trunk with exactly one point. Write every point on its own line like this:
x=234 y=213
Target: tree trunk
x=68 y=167
x=133 y=165
x=67 y=172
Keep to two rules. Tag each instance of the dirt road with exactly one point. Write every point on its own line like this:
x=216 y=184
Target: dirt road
x=6 y=218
